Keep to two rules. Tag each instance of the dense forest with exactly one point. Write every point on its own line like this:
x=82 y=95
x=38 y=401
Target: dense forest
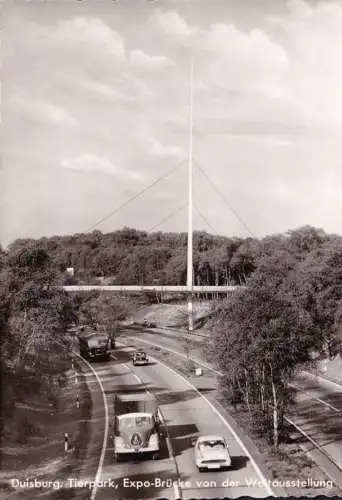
x=291 y=307
x=134 y=257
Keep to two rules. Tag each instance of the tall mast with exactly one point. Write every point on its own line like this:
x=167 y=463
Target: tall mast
x=190 y=230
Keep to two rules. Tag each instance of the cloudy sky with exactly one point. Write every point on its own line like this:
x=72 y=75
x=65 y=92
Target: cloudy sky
x=95 y=103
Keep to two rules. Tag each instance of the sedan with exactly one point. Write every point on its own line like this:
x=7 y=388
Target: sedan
x=211 y=452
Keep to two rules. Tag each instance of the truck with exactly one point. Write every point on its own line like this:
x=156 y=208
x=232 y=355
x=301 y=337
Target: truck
x=136 y=426
x=94 y=345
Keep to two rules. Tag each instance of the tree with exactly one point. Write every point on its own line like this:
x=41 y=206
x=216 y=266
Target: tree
x=262 y=337
x=35 y=315
x=318 y=280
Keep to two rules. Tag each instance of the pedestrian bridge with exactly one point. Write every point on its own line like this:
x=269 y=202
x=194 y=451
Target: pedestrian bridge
x=152 y=288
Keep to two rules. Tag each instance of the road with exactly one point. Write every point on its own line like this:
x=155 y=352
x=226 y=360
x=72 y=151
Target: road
x=319 y=413
x=318 y=408
x=187 y=414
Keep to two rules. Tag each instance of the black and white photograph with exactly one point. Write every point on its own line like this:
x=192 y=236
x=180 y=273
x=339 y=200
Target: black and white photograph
x=171 y=249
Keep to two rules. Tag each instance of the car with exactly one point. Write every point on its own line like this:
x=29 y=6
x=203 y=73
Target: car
x=149 y=324
x=211 y=452
x=140 y=358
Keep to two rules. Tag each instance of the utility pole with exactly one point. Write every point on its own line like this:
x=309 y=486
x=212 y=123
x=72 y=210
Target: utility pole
x=190 y=246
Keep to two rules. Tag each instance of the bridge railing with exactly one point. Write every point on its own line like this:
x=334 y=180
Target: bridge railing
x=152 y=288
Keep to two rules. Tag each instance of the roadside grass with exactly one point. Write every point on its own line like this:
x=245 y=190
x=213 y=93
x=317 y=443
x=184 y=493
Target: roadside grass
x=288 y=463
x=33 y=441
x=170 y=315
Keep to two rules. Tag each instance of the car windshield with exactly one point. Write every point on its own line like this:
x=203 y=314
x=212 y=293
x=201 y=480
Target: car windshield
x=217 y=444
x=131 y=422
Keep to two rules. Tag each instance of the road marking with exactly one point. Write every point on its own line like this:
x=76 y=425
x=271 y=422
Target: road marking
x=221 y=374
x=329 y=405
x=177 y=353
x=316 y=445
x=256 y=468
x=105 y=437
x=304 y=391
x=176 y=487
x=323 y=379
x=174 y=334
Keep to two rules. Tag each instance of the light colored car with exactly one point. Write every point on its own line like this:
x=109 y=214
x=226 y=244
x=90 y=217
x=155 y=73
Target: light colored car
x=211 y=452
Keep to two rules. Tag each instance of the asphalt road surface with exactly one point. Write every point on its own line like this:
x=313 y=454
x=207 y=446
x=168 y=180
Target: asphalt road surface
x=318 y=409
x=187 y=415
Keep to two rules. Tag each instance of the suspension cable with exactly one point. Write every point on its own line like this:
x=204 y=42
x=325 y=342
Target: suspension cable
x=134 y=197
x=205 y=220
x=224 y=199
x=168 y=217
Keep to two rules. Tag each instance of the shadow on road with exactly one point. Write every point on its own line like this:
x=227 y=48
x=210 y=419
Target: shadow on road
x=238 y=462
x=182 y=437
x=126 y=389
x=171 y=397
x=321 y=422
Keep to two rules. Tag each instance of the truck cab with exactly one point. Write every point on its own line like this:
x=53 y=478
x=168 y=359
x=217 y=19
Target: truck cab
x=94 y=346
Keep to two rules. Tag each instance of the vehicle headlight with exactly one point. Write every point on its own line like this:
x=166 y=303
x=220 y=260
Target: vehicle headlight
x=119 y=441
x=153 y=441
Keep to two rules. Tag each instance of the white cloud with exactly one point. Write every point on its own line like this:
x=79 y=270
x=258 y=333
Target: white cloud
x=38 y=109
x=140 y=59
x=267 y=101
x=244 y=61
x=90 y=163
x=314 y=44
x=93 y=88
x=92 y=32
x=171 y=23
x=93 y=163
x=157 y=149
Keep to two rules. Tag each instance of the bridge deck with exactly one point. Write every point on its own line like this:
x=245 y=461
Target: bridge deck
x=147 y=288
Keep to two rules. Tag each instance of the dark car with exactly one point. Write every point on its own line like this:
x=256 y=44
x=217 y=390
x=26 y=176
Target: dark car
x=140 y=358
x=149 y=324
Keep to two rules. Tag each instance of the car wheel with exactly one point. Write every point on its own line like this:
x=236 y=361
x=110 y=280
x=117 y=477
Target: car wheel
x=200 y=469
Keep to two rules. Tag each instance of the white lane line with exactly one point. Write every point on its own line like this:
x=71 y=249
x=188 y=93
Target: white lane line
x=296 y=386
x=176 y=487
x=105 y=437
x=256 y=468
x=221 y=374
x=177 y=353
x=318 y=446
x=329 y=405
x=323 y=379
